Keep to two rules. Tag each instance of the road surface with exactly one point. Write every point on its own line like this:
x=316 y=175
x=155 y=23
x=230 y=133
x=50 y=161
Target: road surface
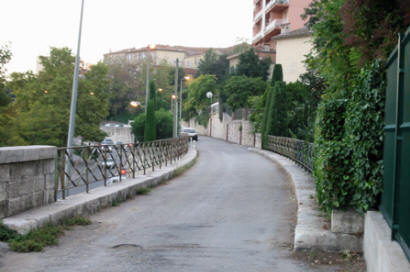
x=233 y=211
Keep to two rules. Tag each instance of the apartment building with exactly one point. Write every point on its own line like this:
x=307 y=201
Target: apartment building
x=274 y=17
x=189 y=57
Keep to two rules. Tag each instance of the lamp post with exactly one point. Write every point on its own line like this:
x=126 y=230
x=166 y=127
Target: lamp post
x=175 y=127
x=71 y=124
x=71 y=127
x=209 y=95
x=150 y=47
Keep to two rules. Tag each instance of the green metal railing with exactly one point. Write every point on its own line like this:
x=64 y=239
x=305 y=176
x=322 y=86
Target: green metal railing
x=297 y=150
x=82 y=168
x=395 y=204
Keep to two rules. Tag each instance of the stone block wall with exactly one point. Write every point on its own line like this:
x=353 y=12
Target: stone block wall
x=234 y=131
x=26 y=178
x=118 y=132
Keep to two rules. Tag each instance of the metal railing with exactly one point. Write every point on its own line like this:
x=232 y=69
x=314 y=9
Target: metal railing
x=101 y=165
x=297 y=150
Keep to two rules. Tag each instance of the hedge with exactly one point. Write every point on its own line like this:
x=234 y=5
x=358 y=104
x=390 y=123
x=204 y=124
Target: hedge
x=349 y=144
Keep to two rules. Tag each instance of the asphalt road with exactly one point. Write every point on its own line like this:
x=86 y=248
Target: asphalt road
x=233 y=211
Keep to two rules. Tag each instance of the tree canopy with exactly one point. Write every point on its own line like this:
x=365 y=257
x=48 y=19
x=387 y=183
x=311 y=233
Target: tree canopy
x=251 y=66
x=42 y=102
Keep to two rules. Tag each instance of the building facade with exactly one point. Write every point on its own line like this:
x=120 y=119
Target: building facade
x=274 y=17
x=291 y=48
x=189 y=57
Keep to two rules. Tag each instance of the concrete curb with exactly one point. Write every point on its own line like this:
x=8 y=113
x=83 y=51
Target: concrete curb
x=312 y=231
x=96 y=199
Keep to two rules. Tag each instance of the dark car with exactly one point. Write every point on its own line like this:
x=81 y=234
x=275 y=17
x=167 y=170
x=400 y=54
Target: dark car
x=106 y=145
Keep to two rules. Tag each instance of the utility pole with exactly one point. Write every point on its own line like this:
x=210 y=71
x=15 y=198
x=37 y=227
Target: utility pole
x=180 y=100
x=175 y=130
x=147 y=85
x=71 y=127
x=74 y=91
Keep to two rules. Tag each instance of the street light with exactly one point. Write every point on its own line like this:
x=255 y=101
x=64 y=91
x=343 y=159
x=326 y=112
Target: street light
x=135 y=104
x=71 y=126
x=160 y=90
x=175 y=126
x=209 y=95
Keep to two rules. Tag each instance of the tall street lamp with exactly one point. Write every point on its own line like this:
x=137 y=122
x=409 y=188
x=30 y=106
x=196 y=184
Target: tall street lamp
x=175 y=127
x=71 y=124
x=150 y=48
x=71 y=127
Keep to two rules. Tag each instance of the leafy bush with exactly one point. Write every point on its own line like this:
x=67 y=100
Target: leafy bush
x=349 y=145
x=239 y=88
x=277 y=74
x=7 y=234
x=164 y=125
x=364 y=132
x=150 y=131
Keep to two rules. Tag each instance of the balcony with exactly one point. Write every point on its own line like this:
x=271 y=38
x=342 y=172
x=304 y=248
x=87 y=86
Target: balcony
x=275 y=24
x=257 y=16
x=276 y=4
x=257 y=37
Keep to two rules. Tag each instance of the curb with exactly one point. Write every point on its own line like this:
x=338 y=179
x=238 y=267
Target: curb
x=95 y=200
x=312 y=231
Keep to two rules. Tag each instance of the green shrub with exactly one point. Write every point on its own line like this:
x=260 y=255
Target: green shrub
x=7 y=234
x=164 y=123
x=37 y=239
x=364 y=132
x=150 y=131
x=277 y=74
x=349 y=145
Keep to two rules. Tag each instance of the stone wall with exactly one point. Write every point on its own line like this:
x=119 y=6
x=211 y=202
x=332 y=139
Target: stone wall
x=234 y=131
x=118 y=132
x=26 y=178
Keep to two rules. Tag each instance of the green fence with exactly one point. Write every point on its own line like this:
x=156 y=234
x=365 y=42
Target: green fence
x=396 y=195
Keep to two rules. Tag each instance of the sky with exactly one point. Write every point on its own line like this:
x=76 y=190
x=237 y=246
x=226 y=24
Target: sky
x=33 y=26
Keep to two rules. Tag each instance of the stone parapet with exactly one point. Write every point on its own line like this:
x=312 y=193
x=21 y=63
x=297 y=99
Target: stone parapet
x=26 y=178
x=380 y=252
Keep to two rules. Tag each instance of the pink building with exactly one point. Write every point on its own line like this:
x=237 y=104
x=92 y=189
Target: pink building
x=274 y=17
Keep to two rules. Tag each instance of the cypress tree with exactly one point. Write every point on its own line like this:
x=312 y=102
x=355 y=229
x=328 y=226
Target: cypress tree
x=268 y=105
x=277 y=74
x=150 y=131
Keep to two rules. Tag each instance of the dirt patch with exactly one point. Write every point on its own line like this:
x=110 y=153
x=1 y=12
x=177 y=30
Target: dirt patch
x=344 y=261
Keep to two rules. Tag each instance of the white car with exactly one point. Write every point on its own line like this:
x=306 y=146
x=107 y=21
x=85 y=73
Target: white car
x=190 y=132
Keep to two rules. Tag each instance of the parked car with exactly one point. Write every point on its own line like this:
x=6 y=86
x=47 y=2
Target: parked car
x=109 y=163
x=116 y=179
x=106 y=145
x=191 y=132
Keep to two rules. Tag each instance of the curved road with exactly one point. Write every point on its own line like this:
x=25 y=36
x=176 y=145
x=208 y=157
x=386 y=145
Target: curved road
x=233 y=211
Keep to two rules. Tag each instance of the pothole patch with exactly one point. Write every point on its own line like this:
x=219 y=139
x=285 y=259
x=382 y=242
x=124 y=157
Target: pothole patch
x=125 y=246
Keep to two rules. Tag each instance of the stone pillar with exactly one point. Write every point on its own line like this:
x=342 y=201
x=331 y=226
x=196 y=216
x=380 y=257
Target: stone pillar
x=258 y=140
x=27 y=178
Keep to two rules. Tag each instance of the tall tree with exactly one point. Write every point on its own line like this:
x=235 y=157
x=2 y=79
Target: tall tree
x=43 y=101
x=251 y=66
x=239 y=88
x=214 y=64
x=150 y=131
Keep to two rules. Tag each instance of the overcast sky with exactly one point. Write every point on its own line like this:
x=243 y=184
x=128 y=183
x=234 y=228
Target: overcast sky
x=33 y=26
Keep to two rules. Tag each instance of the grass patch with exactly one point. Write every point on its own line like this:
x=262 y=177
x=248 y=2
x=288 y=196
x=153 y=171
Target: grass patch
x=178 y=172
x=7 y=234
x=115 y=203
x=39 y=238
x=143 y=191
x=77 y=220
